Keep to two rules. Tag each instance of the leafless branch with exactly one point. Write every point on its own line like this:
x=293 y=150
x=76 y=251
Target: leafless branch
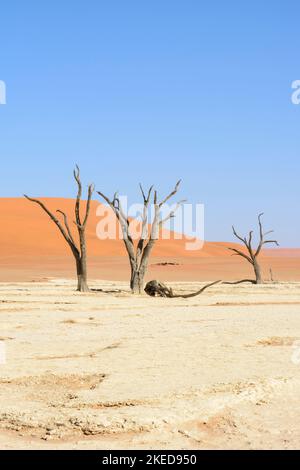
x=52 y=217
x=172 y=193
x=253 y=255
x=91 y=189
x=172 y=213
x=159 y=289
x=139 y=258
x=67 y=225
x=252 y=281
x=79 y=251
x=240 y=253
x=79 y=194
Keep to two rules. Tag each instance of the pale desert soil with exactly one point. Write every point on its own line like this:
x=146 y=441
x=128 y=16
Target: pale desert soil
x=107 y=370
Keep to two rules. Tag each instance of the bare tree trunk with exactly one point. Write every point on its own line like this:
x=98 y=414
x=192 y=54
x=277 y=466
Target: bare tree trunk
x=252 y=254
x=82 y=264
x=79 y=252
x=139 y=256
x=138 y=271
x=137 y=281
x=82 y=285
x=257 y=271
x=158 y=289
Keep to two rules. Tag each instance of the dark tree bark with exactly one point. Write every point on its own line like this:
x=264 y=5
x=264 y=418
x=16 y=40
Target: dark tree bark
x=139 y=254
x=251 y=254
x=159 y=289
x=78 y=249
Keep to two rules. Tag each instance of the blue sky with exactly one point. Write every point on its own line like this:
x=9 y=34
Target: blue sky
x=156 y=91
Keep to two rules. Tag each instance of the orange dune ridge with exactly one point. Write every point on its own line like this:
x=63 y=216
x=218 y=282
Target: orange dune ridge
x=29 y=231
x=31 y=244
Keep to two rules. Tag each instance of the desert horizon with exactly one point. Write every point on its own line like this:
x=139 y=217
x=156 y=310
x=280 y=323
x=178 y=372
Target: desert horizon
x=32 y=249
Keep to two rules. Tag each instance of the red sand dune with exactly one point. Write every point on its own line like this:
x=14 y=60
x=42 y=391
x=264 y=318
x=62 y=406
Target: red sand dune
x=32 y=247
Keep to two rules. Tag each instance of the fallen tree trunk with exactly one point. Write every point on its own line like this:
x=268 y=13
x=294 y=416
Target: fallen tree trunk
x=234 y=283
x=159 y=289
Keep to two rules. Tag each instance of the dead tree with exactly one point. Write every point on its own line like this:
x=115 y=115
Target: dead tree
x=78 y=249
x=159 y=289
x=139 y=255
x=252 y=254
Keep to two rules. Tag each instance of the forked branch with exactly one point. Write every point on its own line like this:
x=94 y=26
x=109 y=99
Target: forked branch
x=139 y=255
x=78 y=248
x=251 y=254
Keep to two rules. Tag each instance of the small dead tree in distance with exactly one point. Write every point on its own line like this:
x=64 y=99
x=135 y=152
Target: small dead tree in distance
x=252 y=254
x=79 y=250
x=139 y=254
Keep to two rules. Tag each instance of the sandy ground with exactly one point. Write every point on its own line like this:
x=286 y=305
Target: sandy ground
x=107 y=370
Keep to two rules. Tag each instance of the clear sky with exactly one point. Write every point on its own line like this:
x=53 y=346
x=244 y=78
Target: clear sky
x=154 y=91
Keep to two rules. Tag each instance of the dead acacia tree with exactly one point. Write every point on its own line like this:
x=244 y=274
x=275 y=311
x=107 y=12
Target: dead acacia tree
x=78 y=248
x=139 y=254
x=252 y=254
x=159 y=289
